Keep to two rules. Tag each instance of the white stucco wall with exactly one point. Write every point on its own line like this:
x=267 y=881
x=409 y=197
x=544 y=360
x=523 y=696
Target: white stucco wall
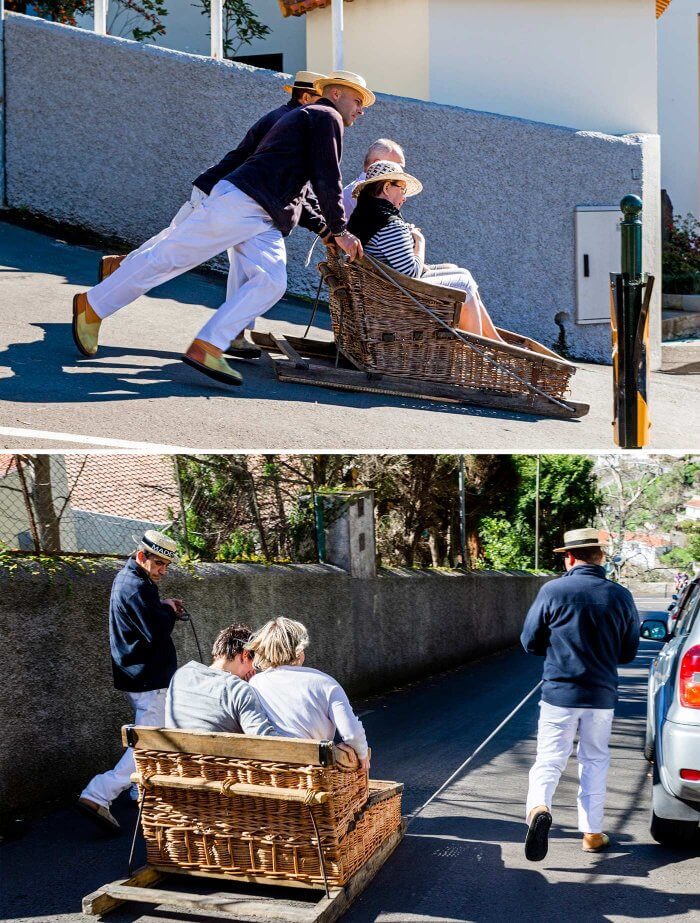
x=586 y=64
x=679 y=104
x=187 y=29
x=384 y=40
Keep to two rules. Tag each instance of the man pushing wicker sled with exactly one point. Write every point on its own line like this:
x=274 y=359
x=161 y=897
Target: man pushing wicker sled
x=252 y=209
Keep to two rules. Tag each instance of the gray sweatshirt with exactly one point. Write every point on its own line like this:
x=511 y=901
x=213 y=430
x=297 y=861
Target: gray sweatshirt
x=202 y=698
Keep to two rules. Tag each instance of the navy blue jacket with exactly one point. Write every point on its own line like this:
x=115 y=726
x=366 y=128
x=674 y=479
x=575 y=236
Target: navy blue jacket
x=304 y=147
x=140 y=625
x=584 y=625
x=310 y=216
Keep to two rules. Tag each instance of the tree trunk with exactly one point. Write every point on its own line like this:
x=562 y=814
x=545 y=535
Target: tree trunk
x=47 y=521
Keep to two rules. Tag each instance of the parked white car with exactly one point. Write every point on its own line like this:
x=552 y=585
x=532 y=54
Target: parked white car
x=672 y=741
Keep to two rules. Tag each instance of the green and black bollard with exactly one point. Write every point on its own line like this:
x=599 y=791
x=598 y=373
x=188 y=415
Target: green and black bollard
x=630 y=295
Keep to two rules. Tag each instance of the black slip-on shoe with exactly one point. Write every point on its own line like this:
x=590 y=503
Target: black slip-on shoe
x=536 y=841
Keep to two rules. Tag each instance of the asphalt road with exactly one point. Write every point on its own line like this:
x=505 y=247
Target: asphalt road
x=462 y=859
x=137 y=394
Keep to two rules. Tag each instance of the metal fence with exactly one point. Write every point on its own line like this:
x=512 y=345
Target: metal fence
x=61 y=504
x=218 y=508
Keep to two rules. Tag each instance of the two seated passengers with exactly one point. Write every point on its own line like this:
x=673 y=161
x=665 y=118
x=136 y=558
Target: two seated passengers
x=376 y=220
x=258 y=684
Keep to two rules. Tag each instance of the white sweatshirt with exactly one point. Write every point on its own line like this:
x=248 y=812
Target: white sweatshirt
x=302 y=702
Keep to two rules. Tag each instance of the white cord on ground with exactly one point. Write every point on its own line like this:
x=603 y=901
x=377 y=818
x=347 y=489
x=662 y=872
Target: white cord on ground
x=415 y=814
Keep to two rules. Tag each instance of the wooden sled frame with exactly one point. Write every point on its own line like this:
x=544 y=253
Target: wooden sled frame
x=140 y=888
x=312 y=362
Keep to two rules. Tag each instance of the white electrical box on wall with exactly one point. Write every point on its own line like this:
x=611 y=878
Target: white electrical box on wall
x=597 y=255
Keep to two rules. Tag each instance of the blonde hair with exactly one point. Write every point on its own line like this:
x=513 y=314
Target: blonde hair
x=278 y=643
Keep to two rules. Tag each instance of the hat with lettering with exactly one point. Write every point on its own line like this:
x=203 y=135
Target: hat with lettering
x=162 y=546
x=581 y=538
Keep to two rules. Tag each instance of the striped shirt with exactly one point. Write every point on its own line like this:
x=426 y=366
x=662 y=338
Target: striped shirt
x=394 y=245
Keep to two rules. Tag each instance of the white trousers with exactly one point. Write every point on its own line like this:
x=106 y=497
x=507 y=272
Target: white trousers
x=149 y=709
x=227 y=218
x=236 y=269
x=454 y=277
x=555 y=740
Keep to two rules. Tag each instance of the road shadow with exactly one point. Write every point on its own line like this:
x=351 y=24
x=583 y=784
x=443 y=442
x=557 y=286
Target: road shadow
x=25 y=251
x=49 y=370
x=436 y=879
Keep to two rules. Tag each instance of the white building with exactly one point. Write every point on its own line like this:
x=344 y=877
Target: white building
x=639 y=548
x=692 y=510
x=679 y=104
x=586 y=64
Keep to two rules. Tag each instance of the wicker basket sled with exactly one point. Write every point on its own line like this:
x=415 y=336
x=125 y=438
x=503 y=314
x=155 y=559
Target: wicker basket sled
x=396 y=335
x=264 y=810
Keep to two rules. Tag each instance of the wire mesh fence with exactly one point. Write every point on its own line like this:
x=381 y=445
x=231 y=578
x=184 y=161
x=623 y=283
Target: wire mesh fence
x=95 y=504
x=219 y=508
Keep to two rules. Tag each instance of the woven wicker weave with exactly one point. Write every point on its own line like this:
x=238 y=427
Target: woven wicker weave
x=380 y=329
x=192 y=829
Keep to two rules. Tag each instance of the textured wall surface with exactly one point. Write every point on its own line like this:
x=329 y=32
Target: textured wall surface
x=108 y=134
x=58 y=709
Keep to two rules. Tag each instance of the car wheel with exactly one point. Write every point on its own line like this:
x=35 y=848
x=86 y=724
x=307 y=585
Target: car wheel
x=673 y=832
x=649 y=748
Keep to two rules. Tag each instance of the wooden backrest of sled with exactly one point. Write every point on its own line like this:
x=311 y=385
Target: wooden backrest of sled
x=237 y=746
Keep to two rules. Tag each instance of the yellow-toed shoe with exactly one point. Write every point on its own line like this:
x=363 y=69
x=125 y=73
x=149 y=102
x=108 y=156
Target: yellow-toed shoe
x=108 y=265
x=86 y=325
x=211 y=365
x=595 y=842
x=240 y=348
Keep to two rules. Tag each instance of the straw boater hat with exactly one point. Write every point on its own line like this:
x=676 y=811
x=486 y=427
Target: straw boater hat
x=383 y=171
x=581 y=538
x=159 y=545
x=304 y=80
x=347 y=79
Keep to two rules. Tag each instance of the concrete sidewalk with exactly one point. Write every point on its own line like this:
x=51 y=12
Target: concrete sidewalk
x=138 y=394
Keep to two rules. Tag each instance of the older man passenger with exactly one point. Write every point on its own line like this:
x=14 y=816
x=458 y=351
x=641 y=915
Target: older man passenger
x=381 y=149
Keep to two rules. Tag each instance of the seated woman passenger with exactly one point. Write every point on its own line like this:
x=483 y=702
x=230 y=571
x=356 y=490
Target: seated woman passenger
x=299 y=701
x=385 y=235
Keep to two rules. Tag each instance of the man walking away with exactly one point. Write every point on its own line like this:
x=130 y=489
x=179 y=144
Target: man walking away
x=218 y=697
x=143 y=659
x=302 y=93
x=584 y=626
x=253 y=208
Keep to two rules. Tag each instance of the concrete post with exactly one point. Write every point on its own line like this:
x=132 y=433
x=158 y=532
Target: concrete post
x=337 y=16
x=349 y=531
x=100 y=23
x=217 y=30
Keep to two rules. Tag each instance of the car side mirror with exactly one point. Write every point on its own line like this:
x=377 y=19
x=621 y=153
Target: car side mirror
x=654 y=630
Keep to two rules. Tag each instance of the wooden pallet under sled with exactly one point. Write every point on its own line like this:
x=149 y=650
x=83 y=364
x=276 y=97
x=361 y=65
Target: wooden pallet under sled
x=244 y=908
x=312 y=362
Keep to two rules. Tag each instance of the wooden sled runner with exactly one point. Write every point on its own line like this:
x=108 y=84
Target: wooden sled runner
x=265 y=810
x=395 y=336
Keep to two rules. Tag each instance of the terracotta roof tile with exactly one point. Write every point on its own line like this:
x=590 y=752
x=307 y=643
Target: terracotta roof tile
x=300 y=7
x=131 y=486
